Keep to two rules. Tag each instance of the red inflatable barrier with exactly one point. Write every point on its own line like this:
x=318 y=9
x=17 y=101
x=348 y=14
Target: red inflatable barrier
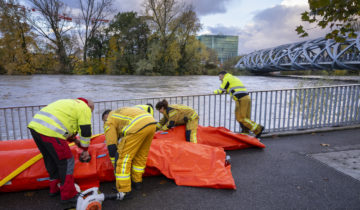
x=200 y=165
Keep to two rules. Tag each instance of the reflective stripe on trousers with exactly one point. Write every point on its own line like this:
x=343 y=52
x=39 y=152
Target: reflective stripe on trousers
x=139 y=169
x=123 y=175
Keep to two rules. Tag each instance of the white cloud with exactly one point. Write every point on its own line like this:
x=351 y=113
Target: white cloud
x=270 y=28
x=202 y=7
x=276 y=26
x=292 y=3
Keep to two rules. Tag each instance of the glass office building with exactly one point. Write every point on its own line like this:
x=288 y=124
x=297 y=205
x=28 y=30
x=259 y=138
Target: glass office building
x=225 y=46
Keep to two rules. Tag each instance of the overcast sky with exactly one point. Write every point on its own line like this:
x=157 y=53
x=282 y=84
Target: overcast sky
x=258 y=23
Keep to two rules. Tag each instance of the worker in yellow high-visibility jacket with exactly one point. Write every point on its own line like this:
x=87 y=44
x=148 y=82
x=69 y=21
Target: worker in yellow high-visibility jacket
x=135 y=128
x=233 y=85
x=177 y=114
x=50 y=128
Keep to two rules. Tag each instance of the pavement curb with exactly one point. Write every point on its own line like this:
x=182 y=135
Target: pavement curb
x=316 y=130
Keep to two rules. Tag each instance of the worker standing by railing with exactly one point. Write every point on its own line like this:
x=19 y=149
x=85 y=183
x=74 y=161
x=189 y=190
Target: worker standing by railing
x=238 y=92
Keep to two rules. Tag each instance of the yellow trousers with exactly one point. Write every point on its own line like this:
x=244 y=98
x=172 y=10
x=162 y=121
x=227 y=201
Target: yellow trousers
x=191 y=130
x=133 y=151
x=243 y=114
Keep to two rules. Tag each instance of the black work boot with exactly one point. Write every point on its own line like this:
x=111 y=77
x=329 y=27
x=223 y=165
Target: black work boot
x=244 y=130
x=54 y=194
x=72 y=200
x=137 y=185
x=261 y=130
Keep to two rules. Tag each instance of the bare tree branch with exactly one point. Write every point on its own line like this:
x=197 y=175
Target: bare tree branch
x=52 y=27
x=93 y=13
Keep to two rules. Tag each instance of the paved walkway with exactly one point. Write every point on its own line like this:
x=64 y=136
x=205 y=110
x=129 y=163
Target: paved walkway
x=286 y=175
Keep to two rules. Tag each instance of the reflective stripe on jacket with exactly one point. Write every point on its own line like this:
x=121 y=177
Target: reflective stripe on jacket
x=62 y=119
x=176 y=114
x=147 y=108
x=232 y=85
x=124 y=121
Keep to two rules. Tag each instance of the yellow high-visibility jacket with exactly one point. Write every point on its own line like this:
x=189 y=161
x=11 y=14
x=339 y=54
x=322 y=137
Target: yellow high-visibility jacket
x=232 y=85
x=64 y=118
x=176 y=114
x=124 y=121
x=147 y=108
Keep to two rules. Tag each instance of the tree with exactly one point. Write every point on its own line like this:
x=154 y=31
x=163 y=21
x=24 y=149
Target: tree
x=53 y=27
x=93 y=14
x=189 y=46
x=130 y=34
x=163 y=16
x=339 y=15
x=16 y=41
x=193 y=57
x=98 y=46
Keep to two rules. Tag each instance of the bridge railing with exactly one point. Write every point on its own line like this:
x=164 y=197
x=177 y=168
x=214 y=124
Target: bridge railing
x=278 y=110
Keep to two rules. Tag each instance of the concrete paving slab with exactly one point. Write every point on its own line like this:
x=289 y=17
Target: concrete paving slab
x=347 y=162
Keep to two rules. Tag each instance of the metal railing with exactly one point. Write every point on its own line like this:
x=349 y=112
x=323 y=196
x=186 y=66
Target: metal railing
x=278 y=110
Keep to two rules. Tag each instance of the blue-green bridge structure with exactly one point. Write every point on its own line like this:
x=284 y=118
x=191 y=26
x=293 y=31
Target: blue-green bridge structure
x=316 y=54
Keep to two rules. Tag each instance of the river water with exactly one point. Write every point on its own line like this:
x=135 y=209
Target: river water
x=44 y=89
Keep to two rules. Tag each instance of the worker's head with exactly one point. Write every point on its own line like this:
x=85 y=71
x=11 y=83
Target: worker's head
x=161 y=106
x=91 y=105
x=222 y=74
x=89 y=102
x=105 y=115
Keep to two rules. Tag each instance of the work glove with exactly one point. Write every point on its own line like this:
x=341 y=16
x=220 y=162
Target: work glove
x=72 y=138
x=85 y=157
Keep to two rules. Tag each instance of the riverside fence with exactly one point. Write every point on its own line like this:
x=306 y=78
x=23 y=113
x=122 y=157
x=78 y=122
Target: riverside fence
x=278 y=110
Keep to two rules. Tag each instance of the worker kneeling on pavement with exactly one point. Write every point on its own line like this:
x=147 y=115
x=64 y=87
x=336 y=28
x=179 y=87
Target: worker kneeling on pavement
x=238 y=92
x=177 y=114
x=128 y=133
x=50 y=128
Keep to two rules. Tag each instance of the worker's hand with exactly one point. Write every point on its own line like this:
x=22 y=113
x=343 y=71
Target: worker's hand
x=72 y=138
x=85 y=157
x=77 y=142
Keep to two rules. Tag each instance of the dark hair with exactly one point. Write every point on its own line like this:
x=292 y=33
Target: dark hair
x=150 y=106
x=222 y=72
x=161 y=104
x=105 y=113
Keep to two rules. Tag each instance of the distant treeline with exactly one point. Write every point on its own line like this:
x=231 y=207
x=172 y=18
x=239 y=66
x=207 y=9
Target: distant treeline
x=162 y=41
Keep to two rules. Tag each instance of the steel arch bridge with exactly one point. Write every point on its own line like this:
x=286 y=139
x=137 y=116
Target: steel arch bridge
x=316 y=54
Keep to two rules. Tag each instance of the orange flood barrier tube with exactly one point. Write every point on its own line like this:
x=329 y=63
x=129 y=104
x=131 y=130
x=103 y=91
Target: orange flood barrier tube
x=188 y=164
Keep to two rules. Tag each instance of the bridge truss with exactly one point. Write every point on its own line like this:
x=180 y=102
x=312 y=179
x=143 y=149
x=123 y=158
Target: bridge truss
x=316 y=54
